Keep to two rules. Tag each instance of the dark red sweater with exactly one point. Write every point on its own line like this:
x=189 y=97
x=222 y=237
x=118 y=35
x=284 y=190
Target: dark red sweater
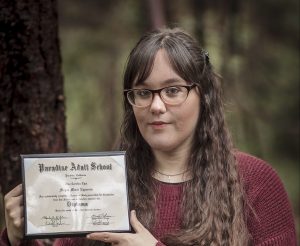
x=272 y=224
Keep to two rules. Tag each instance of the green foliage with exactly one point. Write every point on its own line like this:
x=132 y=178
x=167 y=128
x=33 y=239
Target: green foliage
x=253 y=46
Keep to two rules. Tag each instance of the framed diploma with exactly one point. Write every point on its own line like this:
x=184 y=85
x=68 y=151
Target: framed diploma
x=74 y=194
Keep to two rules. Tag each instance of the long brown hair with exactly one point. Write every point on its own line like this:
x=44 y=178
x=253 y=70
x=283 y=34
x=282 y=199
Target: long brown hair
x=213 y=201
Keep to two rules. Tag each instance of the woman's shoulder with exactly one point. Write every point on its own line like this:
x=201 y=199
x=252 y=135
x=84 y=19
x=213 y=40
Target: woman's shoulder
x=255 y=171
x=259 y=178
x=270 y=218
x=248 y=163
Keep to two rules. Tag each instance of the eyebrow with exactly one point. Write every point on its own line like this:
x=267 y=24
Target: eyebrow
x=164 y=82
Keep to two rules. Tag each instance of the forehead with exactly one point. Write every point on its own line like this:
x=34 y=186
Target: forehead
x=162 y=73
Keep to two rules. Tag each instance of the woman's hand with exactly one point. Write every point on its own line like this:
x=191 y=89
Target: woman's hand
x=13 y=202
x=141 y=236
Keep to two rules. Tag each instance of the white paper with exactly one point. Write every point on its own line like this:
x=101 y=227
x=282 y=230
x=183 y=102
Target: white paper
x=75 y=194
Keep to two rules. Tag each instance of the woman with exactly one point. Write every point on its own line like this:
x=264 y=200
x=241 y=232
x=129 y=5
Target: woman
x=186 y=184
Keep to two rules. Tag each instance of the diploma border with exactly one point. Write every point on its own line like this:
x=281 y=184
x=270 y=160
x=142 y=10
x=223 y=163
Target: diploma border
x=63 y=155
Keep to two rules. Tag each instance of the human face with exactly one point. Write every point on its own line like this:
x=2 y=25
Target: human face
x=166 y=127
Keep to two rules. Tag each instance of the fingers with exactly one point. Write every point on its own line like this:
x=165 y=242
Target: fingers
x=15 y=192
x=19 y=225
x=14 y=215
x=15 y=221
x=15 y=212
x=135 y=223
x=141 y=236
x=14 y=205
x=106 y=236
x=12 y=202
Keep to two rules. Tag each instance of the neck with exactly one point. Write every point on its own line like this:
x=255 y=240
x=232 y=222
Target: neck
x=172 y=166
x=170 y=163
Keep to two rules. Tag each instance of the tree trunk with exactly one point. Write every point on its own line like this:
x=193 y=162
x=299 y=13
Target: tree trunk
x=199 y=9
x=32 y=118
x=111 y=135
x=156 y=14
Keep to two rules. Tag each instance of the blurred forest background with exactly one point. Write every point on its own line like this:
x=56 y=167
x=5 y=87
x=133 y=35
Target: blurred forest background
x=254 y=46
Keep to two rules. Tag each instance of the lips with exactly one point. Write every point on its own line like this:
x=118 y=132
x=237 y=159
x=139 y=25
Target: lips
x=158 y=124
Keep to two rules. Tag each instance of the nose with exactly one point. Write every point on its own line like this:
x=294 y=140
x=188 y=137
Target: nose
x=157 y=106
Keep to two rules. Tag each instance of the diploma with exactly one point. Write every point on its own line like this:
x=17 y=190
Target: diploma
x=74 y=194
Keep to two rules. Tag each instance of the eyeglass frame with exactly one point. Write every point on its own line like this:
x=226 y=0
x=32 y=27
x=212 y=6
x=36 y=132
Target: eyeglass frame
x=153 y=92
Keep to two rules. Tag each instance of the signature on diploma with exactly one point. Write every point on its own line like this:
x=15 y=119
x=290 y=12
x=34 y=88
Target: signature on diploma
x=101 y=219
x=54 y=221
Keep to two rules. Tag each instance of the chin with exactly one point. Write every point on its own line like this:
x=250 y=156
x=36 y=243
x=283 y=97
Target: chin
x=161 y=146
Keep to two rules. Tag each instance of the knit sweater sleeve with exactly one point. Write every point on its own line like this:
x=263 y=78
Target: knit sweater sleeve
x=269 y=217
x=159 y=243
x=5 y=242
x=34 y=242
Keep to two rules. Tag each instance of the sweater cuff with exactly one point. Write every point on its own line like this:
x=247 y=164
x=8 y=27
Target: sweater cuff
x=4 y=238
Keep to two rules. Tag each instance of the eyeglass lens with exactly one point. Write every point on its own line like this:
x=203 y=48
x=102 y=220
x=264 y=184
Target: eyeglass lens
x=172 y=95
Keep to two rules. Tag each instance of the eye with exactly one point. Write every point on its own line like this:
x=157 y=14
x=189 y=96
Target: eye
x=142 y=93
x=172 y=91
